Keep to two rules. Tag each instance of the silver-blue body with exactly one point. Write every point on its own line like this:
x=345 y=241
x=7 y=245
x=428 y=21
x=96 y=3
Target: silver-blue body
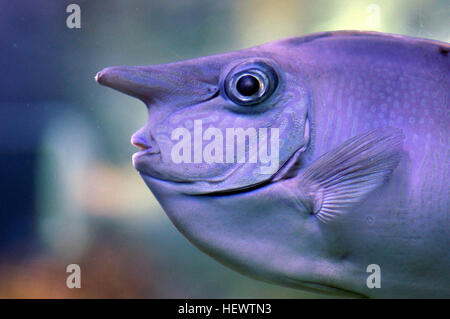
x=333 y=87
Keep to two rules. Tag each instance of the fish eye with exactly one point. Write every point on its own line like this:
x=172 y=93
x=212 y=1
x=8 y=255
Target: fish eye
x=250 y=83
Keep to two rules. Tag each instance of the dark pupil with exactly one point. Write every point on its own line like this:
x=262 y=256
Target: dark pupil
x=247 y=85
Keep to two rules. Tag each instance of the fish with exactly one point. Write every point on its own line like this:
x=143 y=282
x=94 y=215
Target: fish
x=356 y=124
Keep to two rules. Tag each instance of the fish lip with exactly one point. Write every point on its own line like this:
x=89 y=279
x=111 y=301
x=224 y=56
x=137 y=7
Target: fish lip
x=145 y=147
x=148 y=151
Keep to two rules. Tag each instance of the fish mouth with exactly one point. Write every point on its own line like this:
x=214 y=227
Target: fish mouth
x=144 y=146
x=191 y=187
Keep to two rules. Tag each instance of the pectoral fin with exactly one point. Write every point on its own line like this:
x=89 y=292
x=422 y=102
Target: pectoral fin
x=345 y=176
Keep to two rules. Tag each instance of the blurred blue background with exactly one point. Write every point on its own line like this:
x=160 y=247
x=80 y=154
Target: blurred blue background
x=69 y=193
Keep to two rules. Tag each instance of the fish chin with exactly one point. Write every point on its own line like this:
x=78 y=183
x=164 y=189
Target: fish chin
x=198 y=187
x=321 y=288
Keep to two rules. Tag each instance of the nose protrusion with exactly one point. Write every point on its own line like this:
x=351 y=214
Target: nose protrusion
x=178 y=82
x=135 y=81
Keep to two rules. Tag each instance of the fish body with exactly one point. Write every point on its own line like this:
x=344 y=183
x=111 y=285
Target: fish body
x=362 y=164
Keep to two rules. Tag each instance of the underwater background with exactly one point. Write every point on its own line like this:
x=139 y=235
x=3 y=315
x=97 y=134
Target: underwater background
x=69 y=193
